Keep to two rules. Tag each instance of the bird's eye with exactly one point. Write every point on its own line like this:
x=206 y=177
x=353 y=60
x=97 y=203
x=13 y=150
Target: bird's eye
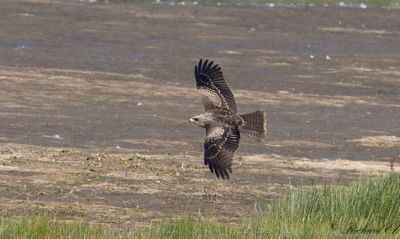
x=195 y=119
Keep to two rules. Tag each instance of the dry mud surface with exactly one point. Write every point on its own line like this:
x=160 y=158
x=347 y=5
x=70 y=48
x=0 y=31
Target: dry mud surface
x=95 y=101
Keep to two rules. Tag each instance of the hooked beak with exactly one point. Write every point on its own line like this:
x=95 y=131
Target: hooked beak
x=194 y=121
x=197 y=120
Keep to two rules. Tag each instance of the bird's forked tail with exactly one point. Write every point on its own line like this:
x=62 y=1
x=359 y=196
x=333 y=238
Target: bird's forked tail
x=255 y=125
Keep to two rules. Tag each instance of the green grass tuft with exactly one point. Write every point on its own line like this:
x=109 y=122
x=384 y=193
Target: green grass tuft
x=367 y=208
x=41 y=227
x=373 y=204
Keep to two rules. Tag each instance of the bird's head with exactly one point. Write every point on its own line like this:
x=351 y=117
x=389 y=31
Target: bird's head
x=201 y=120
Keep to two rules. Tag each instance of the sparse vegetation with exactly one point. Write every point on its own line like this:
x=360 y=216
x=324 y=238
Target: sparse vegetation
x=138 y=158
x=368 y=208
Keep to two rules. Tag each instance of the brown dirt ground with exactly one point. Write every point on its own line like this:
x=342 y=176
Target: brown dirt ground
x=94 y=102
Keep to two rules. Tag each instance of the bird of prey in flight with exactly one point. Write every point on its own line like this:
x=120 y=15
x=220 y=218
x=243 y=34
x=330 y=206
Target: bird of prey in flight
x=222 y=123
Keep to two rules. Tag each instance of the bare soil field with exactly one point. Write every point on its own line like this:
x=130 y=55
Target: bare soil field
x=95 y=101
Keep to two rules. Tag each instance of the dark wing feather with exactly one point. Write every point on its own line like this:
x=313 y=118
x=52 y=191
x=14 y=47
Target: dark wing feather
x=220 y=146
x=210 y=82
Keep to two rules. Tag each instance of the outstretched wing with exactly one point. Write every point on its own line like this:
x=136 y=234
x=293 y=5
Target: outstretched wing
x=211 y=84
x=220 y=146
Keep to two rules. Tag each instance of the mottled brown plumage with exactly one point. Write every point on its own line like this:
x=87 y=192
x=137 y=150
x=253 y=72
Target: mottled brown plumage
x=221 y=121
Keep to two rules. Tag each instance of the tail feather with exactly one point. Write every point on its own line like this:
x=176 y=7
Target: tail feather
x=255 y=125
